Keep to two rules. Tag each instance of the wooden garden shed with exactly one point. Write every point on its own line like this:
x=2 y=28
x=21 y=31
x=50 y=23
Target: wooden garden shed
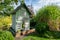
x=21 y=18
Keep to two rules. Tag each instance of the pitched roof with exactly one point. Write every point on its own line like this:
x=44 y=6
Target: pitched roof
x=19 y=7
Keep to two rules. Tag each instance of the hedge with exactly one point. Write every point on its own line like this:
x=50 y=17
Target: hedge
x=6 y=35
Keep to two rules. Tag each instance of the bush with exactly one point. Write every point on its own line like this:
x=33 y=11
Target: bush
x=5 y=21
x=50 y=16
x=32 y=23
x=41 y=28
x=5 y=35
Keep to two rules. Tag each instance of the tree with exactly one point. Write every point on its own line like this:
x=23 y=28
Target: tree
x=6 y=6
x=48 y=16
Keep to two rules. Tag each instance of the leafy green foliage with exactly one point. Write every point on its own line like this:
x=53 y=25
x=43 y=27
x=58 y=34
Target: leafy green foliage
x=52 y=34
x=48 y=35
x=32 y=23
x=47 y=19
x=6 y=35
x=6 y=6
x=41 y=28
x=5 y=21
x=50 y=16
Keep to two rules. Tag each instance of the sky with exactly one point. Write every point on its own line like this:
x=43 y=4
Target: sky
x=37 y=4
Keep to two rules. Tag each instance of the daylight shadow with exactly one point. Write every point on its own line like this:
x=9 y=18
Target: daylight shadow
x=47 y=34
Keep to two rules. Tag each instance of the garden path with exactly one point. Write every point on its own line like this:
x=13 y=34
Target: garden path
x=21 y=37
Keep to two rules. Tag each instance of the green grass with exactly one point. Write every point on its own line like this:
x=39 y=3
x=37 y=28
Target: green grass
x=37 y=38
x=49 y=35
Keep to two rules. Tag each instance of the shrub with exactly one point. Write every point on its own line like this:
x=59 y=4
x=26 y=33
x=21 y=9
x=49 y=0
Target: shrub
x=50 y=16
x=41 y=27
x=5 y=35
x=32 y=23
x=5 y=21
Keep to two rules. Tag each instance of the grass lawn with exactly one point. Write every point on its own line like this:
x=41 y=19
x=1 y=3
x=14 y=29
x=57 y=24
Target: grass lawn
x=35 y=36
